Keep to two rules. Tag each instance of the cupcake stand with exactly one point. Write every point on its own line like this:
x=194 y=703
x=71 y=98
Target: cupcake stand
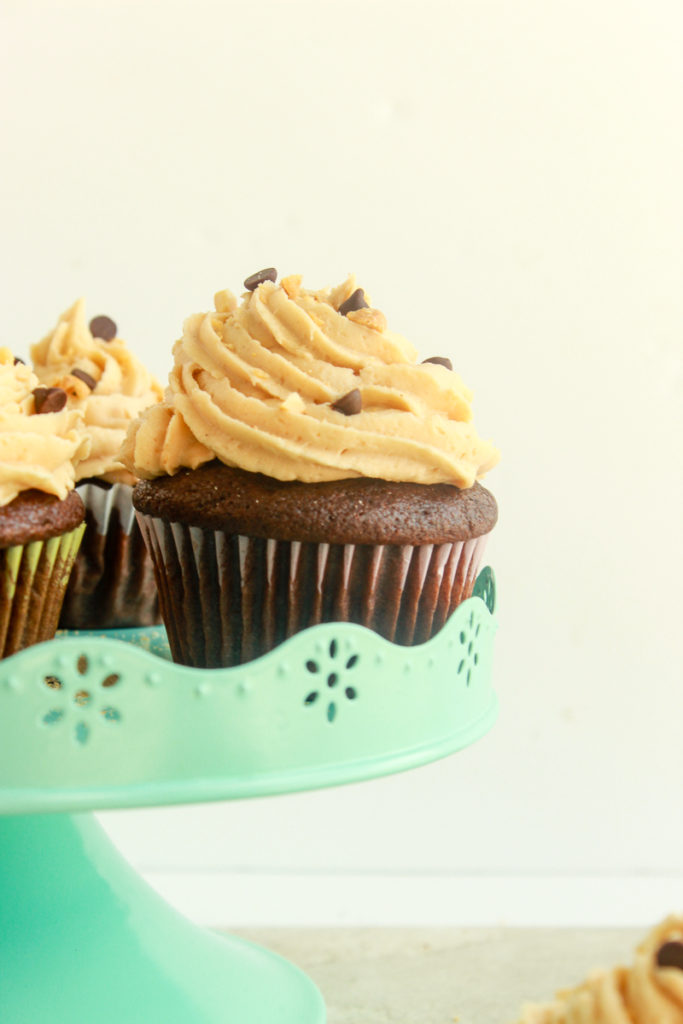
x=95 y=721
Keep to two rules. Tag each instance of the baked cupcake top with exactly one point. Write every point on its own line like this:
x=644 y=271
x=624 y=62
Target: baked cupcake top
x=102 y=379
x=361 y=511
x=650 y=991
x=41 y=440
x=309 y=386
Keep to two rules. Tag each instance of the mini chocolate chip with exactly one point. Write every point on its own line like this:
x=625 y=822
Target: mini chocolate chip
x=103 y=327
x=85 y=377
x=269 y=274
x=355 y=301
x=49 y=399
x=670 y=955
x=350 y=403
x=440 y=361
x=17 y=359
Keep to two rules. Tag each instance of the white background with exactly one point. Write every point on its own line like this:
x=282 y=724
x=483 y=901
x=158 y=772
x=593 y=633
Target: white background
x=506 y=181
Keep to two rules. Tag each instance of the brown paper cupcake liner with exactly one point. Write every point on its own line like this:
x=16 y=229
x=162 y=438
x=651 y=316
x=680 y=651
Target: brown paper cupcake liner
x=112 y=585
x=33 y=579
x=227 y=598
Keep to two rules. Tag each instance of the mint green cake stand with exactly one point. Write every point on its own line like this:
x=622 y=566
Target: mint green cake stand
x=94 y=721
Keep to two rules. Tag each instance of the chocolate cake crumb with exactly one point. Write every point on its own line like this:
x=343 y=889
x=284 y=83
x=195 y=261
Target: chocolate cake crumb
x=352 y=511
x=35 y=515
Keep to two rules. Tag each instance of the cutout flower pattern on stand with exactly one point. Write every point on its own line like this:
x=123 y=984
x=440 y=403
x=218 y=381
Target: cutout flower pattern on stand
x=332 y=669
x=469 y=654
x=82 y=698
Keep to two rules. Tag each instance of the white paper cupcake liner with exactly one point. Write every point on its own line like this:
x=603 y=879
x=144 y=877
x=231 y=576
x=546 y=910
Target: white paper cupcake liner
x=101 y=502
x=112 y=585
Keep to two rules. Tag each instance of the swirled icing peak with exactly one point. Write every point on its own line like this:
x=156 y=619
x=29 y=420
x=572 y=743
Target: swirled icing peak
x=37 y=450
x=648 y=992
x=307 y=385
x=101 y=378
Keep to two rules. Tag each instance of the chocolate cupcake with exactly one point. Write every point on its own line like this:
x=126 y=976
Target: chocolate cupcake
x=41 y=515
x=112 y=583
x=303 y=468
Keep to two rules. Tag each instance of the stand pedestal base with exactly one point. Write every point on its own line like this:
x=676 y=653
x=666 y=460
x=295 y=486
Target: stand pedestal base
x=84 y=939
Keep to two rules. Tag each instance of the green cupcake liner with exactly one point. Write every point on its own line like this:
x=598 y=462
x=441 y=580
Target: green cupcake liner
x=33 y=579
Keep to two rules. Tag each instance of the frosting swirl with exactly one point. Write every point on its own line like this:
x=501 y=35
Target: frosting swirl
x=37 y=451
x=255 y=386
x=642 y=994
x=123 y=388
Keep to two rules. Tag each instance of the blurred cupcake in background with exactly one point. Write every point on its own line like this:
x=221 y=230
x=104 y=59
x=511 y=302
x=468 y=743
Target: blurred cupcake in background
x=112 y=584
x=650 y=991
x=41 y=515
x=306 y=466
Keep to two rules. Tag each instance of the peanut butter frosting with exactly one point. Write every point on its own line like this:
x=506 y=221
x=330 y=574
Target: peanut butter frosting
x=103 y=380
x=302 y=385
x=37 y=450
x=648 y=992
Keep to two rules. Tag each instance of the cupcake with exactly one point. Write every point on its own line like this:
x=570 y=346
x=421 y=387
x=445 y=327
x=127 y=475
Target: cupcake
x=648 y=992
x=112 y=584
x=41 y=515
x=304 y=467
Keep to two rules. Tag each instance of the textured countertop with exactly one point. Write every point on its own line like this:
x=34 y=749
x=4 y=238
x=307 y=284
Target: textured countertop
x=440 y=976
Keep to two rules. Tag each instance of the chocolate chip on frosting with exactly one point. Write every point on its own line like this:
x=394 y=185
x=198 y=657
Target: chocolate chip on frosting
x=18 y=359
x=103 y=327
x=85 y=377
x=670 y=955
x=355 y=301
x=49 y=399
x=349 y=404
x=440 y=361
x=252 y=282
